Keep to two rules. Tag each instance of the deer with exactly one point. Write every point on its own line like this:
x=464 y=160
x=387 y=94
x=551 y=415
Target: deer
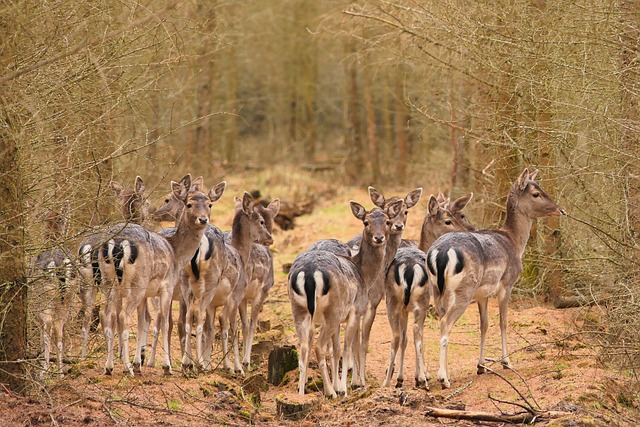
x=330 y=289
x=261 y=279
x=248 y=230
x=137 y=264
x=406 y=287
x=217 y=277
x=134 y=207
x=375 y=290
x=467 y=266
x=54 y=281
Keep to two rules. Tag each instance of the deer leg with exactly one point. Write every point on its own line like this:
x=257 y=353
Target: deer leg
x=182 y=316
x=123 y=328
x=245 y=322
x=367 y=323
x=232 y=316
x=108 y=321
x=503 y=304
x=419 y=316
x=335 y=357
x=325 y=335
x=151 y=359
x=305 y=336
x=484 y=325
x=46 y=341
x=394 y=323
x=165 y=308
x=351 y=332
x=208 y=337
x=88 y=296
x=353 y=361
x=404 y=318
x=141 y=341
x=449 y=319
x=59 y=335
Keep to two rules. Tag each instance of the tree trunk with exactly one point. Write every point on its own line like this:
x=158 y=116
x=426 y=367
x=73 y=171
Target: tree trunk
x=372 y=137
x=13 y=289
x=401 y=119
x=353 y=126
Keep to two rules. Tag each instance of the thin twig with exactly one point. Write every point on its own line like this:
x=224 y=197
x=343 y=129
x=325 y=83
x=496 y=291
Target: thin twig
x=511 y=384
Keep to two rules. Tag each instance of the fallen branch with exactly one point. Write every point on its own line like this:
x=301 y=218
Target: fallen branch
x=524 y=417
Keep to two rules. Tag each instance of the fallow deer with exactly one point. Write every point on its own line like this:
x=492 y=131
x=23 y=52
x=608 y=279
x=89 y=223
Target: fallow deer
x=137 y=264
x=329 y=289
x=134 y=207
x=54 y=285
x=376 y=289
x=260 y=277
x=468 y=266
x=406 y=287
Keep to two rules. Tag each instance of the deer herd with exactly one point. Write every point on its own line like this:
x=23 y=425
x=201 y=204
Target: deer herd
x=218 y=275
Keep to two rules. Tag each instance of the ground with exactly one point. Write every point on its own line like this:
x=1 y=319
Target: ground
x=556 y=367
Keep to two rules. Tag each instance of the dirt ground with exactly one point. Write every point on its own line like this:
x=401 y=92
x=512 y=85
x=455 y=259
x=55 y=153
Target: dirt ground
x=555 y=368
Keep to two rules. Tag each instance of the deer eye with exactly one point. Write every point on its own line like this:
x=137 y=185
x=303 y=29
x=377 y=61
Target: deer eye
x=189 y=205
x=388 y=222
x=462 y=216
x=262 y=222
x=366 y=223
x=406 y=212
x=166 y=200
x=210 y=205
x=536 y=195
x=447 y=222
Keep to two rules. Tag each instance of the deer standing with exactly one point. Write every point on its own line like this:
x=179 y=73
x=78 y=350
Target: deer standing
x=137 y=264
x=329 y=289
x=463 y=267
x=54 y=283
x=260 y=276
x=134 y=207
x=406 y=290
x=376 y=289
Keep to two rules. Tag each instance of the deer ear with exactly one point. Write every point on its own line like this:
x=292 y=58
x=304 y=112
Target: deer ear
x=197 y=184
x=274 y=207
x=139 y=186
x=376 y=197
x=523 y=180
x=358 y=210
x=460 y=203
x=413 y=198
x=216 y=192
x=433 y=205
x=186 y=182
x=181 y=189
x=247 y=203
x=116 y=188
x=394 y=209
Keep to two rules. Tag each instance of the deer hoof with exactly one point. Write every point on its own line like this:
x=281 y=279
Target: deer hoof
x=108 y=371
x=399 y=383
x=422 y=384
x=166 y=370
x=136 y=369
x=481 y=370
x=445 y=383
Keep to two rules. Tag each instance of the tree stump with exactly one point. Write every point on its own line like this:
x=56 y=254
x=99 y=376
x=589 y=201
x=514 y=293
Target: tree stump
x=289 y=410
x=281 y=361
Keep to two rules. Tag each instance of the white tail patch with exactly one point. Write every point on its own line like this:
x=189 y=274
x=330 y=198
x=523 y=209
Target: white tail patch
x=126 y=253
x=85 y=254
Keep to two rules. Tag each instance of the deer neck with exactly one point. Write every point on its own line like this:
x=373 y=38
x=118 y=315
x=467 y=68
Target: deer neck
x=517 y=227
x=241 y=237
x=426 y=237
x=392 y=248
x=369 y=262
x=185 y=241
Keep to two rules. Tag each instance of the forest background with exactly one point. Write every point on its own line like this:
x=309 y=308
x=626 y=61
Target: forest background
x=455 y=96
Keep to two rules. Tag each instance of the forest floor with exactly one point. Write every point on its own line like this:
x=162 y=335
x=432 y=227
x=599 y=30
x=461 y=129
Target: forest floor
x=555 y=367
